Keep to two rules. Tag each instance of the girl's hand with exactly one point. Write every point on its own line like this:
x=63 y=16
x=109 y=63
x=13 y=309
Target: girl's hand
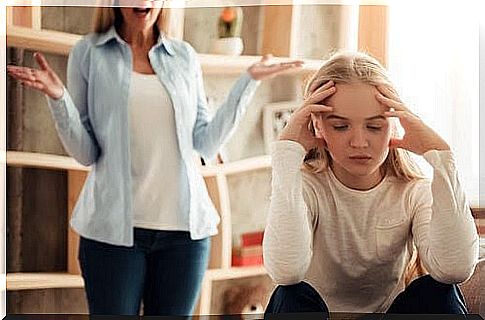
x=298 y=129
x=418 y=137
x=44 y=79
x=264 y=69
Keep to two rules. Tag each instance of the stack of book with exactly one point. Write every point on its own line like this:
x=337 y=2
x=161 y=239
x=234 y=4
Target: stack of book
x=250 y=252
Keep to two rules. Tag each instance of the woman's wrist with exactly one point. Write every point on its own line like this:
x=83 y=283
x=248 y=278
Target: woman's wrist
x=58 y=94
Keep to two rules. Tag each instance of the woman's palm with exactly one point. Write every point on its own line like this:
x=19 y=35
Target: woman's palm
x=43 y=79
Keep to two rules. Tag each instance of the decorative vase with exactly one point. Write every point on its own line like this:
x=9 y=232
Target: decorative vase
x=232 y=46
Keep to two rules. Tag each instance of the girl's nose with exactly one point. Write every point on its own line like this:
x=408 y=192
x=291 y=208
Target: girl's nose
x=358 y=139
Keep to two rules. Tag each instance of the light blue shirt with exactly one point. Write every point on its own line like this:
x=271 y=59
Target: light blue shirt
x=92 y=121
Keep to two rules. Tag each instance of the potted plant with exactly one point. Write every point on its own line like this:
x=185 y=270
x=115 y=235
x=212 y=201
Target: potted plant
x=229 y=30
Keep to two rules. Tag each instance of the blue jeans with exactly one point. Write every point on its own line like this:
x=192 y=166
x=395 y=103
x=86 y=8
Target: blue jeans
x=423 y=296
x=163 y=268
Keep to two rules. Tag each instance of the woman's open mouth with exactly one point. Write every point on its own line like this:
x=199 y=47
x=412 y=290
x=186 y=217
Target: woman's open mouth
x=141 y=11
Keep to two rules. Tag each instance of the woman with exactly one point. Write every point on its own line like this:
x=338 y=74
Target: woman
x=135 y=109
x=342 y=230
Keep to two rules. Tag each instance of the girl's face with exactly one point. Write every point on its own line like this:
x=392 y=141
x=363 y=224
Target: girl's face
x=140 y=14
x=356 y=133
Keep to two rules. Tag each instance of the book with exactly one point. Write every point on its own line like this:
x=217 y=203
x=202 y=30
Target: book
x=247 y=261
x=252 y=239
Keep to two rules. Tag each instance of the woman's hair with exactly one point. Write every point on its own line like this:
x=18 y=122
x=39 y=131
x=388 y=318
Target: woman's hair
x=105 y=17
x=348 y=67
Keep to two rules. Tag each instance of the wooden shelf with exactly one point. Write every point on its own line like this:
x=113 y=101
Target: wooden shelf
x=42 y=40
x=218 y=276
x=43 y=161
x=220 y=64
x=239 y=166
x=234 y=273
x=40 y=280
x=51 y=161
x=61 y=43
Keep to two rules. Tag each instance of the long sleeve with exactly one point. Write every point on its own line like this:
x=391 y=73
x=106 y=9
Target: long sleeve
x=288 y=234
x=443 y=227
x=210 y=133
x=70 y=113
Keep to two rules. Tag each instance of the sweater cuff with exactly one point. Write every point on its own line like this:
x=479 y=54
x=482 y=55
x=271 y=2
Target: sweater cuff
x=440 y=159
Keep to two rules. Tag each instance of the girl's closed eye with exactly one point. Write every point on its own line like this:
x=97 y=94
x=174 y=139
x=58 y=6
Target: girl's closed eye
x=373 y=127
x=340 y=127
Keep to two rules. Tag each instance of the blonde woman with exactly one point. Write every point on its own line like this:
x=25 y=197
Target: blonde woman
x=135 y=109
x=342 y=229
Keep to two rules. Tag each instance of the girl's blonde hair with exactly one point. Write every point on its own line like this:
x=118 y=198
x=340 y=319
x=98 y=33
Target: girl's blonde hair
x=347 y=67
x=107 y=16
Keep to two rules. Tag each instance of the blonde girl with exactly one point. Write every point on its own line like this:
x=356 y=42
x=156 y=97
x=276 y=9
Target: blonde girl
x=342 y=230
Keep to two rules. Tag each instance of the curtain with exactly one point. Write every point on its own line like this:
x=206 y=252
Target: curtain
x=434 y=63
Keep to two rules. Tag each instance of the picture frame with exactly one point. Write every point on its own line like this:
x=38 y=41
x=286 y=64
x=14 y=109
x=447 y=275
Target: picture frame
x=275 y=118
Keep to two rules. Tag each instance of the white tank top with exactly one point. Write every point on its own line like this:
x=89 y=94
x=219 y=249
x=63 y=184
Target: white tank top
x=157 y=171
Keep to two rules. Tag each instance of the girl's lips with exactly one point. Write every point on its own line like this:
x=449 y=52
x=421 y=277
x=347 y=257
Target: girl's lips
x=360 y=159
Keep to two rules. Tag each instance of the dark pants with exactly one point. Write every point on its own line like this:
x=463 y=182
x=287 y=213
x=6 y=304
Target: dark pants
x=163 y=268
x=423 y=296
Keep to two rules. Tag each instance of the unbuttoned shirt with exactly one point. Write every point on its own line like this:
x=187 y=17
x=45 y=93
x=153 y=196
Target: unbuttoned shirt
x=92 y=122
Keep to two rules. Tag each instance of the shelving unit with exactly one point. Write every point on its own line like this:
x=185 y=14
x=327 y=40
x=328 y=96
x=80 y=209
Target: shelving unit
x=43 y=280
x=24 y=31
x=61 y=43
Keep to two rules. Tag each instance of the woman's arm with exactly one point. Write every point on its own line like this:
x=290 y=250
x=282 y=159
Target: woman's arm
x=70 y=112
x=443 y=227
x=210 y=134
x=72 y=124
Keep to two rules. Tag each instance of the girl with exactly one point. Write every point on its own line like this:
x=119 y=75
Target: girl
x=135 y=110
x=342 y=230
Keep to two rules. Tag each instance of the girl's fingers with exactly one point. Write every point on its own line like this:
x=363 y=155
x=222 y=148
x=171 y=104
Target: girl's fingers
x=388 y=93
x=325 y=93
x=326 y=86
x=398 y=114
x=390 y=102
x=402 y=114
x=316 y=108
x=396 y=143
x=317 y=83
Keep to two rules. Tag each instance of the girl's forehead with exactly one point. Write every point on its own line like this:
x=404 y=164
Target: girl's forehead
x=356 y=100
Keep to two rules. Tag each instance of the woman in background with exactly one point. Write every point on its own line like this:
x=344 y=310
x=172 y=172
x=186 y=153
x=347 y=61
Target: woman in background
x=135 y=109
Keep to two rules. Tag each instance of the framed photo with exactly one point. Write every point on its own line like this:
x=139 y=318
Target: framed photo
x=275 y=117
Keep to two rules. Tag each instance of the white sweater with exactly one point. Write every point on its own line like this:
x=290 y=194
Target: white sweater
x=353 y=246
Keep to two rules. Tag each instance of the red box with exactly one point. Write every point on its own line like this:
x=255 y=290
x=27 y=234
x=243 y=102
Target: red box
x=252 y=239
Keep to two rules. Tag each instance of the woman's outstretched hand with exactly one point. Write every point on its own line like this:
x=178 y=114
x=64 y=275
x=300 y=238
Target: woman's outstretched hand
x=44 y=79
x=297 y=128
x=418 y=137
x=264 y=69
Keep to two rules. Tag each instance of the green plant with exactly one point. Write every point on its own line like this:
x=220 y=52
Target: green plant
x=230 y=22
